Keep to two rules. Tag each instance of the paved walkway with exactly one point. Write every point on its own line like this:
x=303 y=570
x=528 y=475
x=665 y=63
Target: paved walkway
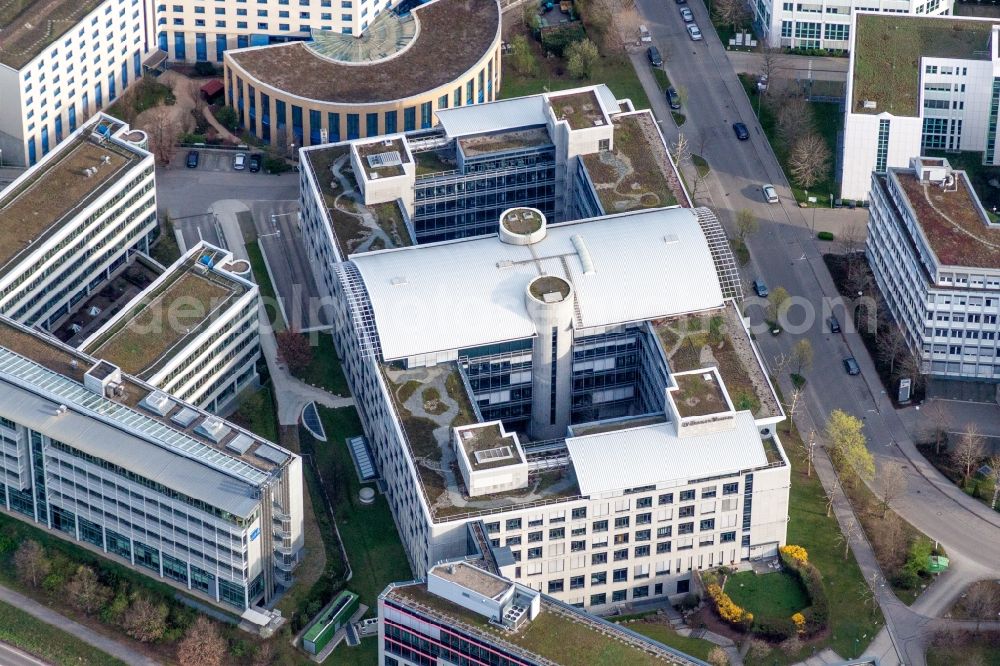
x=85 y=634
x=791 y=66
x=223 y=132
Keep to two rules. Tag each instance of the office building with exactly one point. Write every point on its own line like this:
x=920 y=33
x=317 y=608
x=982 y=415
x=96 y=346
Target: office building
x=917 y=84
x=497 y=377
x=106 y=461
x=193 y=333
x=935 y=253
x=828 y=24
x=463 y=613
x=397 y=78
x=69 y=223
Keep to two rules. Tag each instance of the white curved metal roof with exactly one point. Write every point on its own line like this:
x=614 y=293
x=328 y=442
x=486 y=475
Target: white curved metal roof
x=466 y=293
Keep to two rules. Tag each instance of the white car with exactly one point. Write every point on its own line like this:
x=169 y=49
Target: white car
x=687 y=15
x=240 y=161
x=770 y=194
x=694 y=31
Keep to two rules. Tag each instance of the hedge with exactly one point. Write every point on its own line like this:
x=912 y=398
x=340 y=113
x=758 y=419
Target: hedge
x=817 y=615
x=825 y=235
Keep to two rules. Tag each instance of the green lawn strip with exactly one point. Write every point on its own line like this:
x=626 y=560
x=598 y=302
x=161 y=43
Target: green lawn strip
x=965 y=654
x=166 y=250
x=662 y=79
x=257 y=413
x=46 y=641
x=660 y=631
x=679 y=118
x=325 y=370
x=770 y=594
x=701 y=164
x=263 y=281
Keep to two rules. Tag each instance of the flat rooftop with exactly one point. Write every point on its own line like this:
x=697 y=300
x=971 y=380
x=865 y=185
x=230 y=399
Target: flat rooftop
x=718 y=338
x=357 y=228
x=474 y=146
x=28 y=26
x=557 y=635
x=55 y=190
x=951 y=221
x=887 y=50
x=429 y=402
x=473 y=578
x=581 y=110
x=453 y=35
x=383 y=158
x=178 y=429
x=162 y=320
x=699 y=394
x=494 y=448
x=637 y=172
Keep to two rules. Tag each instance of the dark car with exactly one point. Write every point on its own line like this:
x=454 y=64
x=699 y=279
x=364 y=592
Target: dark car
x=673 y=99
x=655 y=59
x=255 y=160
x=851 y=366
x=192 y=159
x=760 y=288
x=834 y=324
x=681 y=2
x=742 y=133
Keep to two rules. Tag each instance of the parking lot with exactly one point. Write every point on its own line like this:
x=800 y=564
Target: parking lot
x=210 y=159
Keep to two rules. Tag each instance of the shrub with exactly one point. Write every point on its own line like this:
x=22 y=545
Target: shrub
x=558 y=39
x=690 y=601
x=817 y=615
x=275 y=165
x=204 y=69
x=774 y=629
x=799 y=620
x=727 y=609
x=825 y=236
x=906 y=578
x=796 y=553
x=192 y=138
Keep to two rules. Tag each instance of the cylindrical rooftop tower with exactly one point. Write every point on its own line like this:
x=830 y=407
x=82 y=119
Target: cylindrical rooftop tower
x=549 y=301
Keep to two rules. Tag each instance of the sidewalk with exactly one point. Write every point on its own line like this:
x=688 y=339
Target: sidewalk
x=85 y=634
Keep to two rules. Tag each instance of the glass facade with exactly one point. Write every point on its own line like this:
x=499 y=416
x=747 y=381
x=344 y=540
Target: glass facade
x=882 y=149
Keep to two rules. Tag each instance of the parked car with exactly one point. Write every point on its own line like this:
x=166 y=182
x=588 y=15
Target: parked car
x=681 y=2
x=762 y=83
x=687 y=15
x=655 y=59
x=834 y=324
x=770 y=194
x=240 y=161
x=644 y=35
x=192 y=159
x=694 y=31
x=760 y=288
x=851 y=366
x=255 y=160
x=742 y=133
x=673 y=98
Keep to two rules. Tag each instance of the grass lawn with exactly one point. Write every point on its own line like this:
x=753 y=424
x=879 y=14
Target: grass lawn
x=47 y=642
x=979 y=176
x=660 y=631
x=662 y=79
x=827 y=120
x=325 y=370
x=772 y=594
x=166 y=250
x=701 y=164
x=257 y=413
x=263 y=281
x=966 y=654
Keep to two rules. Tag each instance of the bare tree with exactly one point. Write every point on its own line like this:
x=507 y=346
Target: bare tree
x=802 y=355
x=746 y=224
x=194 y=90
x=850 y=532
x=982 y=601
x=935 y=423
x=994 y=463
x=831 y=498
x=163 y=131
x=891 y=484
x=202 y=645
x=811 y=454
x=891 y=343
x=31 y=564
x=969 y=450
x=264 y=655
x=781 y=362
x=777 y=303
x=145 y=621
x=793 y=119
x=626 y=21
x=772 y=60
x=911 y=364
x=809 y=160
x=792 y=405
x=85 y=592
x=851 y=239
x=731 y=12
x=891 y=536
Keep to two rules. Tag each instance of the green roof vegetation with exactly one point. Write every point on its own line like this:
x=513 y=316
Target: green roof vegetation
x=28 y=26
x=887 y=53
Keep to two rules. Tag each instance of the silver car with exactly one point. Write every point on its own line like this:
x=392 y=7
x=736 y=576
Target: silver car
x=694 y=31
x=240 y=161
x=687 y=15
x=770 y=194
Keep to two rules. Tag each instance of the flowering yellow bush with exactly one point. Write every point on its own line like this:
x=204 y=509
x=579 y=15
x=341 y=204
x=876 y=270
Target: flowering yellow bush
x=727 y=608
x=800 y=622
x=797 y=553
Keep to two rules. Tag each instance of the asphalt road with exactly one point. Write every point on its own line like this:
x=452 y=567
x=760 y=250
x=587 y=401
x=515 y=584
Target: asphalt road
x=785 y=253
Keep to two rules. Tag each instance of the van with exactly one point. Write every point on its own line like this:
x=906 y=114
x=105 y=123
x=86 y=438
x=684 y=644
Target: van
x=655 y=59
x=644 y=35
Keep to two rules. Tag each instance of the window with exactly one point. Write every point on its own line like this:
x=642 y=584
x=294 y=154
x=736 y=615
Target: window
x=687 y=495
x=512 y=541
x=666 y=498
x=641 y=551
x=644 y=519
x=837 y=31
x=683 y=586
x=576 y=582
x=621 y=538
x=599 y=558
x=599 y=578
x=514 y=524
x=535 y=553
x=685 y=528
x=619 y=596
x=643 y=535
x=557 y=533
x=621 y=555
x=706 y=525
x=644 y=502
x=555 y=586
x=708 y=492
x=882 y=149
x=727 y=537
x=577 y=546
x=619 y=575
x=640 y=592
x=535 y=537
x=579 y=513
x=599 y=526
x=662 y=547
x=685 y=512
x=663 y=532
x=730 y=488
x=621 y=522
x=492 y=528
x=598 y=599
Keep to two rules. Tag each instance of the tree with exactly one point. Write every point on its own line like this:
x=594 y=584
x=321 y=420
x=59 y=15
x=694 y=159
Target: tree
x=811 y=453
x=969 y=450
x=793 y=404
x=831 y=498
x=935 y=423
x=163 y=131
x=194 y=91
x=891 y=537
x=746 y=224
x=145 y=621
x=982 y=601
x=522 y=57
x=848 y=446
x=264 y=656
x=731 y=12
x=85 y=592
x=228 y=118
x=718 y=657
x=31 y=564
x=850 y=532
x=532 y=21
x=994 y=463
x=890 y=342
x=777 y=303
x=793 y=119
x=294 y=349
x=202 y=645
x=772 y=60
x=581 y=57
x=802 y=355
x=891 y=484
x=809 y=160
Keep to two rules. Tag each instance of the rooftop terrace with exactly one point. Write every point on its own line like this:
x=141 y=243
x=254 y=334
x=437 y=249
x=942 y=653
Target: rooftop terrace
x=887 y=52
x=57 y=189
x=453 y=35
x=718 y=338
x=952 y=222
x=501 y=141
x=163 y=320
x=356 y=227
x=558 y=635
x=28 y=26
x=636 y=173
x=581 y=110
x=429 y=402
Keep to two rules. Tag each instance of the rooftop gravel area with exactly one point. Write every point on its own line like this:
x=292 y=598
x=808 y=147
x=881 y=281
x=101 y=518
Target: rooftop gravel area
x=957 y=233
x=59 y=187
x=580 y=110
x=28 y=26
x=453 y=36
x=887 y=53
x=636 y=173
x=501 y=141
x=554 y=635
x=160 y=321
x=522 y=221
